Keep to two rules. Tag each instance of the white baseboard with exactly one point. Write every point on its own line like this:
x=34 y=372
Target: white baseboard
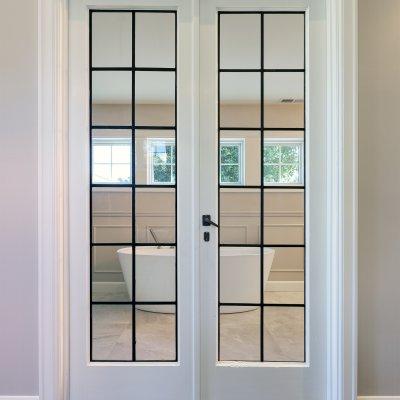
x=378 y=398
x=285 y=286
x=19 y=397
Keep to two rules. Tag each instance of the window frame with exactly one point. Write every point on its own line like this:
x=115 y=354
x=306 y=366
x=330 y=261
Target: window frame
x=286 y=141
x=242 y=159
x=110 y=141
x=150 y=160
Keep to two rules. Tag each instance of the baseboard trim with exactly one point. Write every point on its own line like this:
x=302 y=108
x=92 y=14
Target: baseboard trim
x=271 y=286
x=284 y=286
x=378 y=398
x=19 y=397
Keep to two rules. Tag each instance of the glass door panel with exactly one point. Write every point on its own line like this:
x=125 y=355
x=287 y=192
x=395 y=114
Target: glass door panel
x=261 y=99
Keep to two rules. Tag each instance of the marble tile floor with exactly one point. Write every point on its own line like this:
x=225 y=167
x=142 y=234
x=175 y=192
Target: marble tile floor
x=240 y=332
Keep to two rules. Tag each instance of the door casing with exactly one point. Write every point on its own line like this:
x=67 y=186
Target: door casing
x=53 y=195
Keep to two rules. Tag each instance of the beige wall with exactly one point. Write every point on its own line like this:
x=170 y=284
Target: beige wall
x=19 y=361
x=379 y=198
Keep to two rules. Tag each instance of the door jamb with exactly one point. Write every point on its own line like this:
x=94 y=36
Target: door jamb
x=53 y=195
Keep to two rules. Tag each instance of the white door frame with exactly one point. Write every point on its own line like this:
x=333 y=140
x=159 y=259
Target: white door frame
x=53 y=194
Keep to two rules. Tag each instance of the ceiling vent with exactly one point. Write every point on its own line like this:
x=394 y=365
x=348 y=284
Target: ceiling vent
x=288 y=101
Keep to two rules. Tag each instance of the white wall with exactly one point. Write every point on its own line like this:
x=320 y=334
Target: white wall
x=18 y=194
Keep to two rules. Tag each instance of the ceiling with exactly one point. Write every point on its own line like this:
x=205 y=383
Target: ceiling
x=240 y=48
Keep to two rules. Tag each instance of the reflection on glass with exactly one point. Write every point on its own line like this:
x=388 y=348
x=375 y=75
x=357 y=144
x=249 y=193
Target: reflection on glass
x=155 y=98
x=240 y=99
x=284 y=264
x=109 y=279
x=240 y=158
x=284 y=41
x=155 y=275
x=112 y=39
x=240 y=334
x=155 y=335
x=240 y=40
x=111 y=97
x=155 y=157
x=240 y=216
x=283 y=216
x=111 y=215
x=284 y=334
x=155 y=40
x=240 y=275
x=284 y=99
x=111 y=332
x=155 y=215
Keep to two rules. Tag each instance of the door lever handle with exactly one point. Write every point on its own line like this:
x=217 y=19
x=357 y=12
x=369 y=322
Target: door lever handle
x=207 y=221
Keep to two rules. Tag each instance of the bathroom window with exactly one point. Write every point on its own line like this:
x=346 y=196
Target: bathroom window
x=231 y=162
x=283 y=161
x=161 y=155
x=111 y=160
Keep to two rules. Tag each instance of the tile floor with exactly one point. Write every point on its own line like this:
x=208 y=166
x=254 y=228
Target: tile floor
x=240 y=332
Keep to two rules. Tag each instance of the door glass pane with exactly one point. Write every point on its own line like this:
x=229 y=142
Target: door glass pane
x=240 y=216
x=133 y=186
x=155 y=332
x=239 y=333
x=240 y=99
x=111 y=98
x=111 y=215
x=155 y=273
x=284 y=100
x=261 y=187
x=284 y=334
x=111 y=332
x=240 y=41
x=284 y=264
x=155 y=215
x=244 y=169
x=240 y=274
x=110 y=278
x=155 y=98
x=112 y=39
x=155 y=40
x=283 y=216
x=284 y=41
x=155 y=153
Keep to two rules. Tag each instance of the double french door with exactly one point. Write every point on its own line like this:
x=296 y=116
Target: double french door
x=197 y=134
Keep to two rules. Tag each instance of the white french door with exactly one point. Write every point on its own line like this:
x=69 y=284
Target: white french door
x=131 y=185
x=262 y=85
x=197 y=199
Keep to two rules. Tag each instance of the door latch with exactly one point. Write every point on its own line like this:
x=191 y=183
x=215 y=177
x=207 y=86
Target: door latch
x=207 y=221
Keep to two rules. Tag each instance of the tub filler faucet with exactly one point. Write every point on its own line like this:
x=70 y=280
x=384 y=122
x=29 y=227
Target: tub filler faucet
x=156 y=239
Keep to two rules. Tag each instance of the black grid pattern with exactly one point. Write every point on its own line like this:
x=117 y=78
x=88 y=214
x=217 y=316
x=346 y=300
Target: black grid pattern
x=261 y=128
x=133 y=244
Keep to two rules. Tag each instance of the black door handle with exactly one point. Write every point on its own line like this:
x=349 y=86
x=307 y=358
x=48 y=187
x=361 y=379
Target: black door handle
x=207 y=221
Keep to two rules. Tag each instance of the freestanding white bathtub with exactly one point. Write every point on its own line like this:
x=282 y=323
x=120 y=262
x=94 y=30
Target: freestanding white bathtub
x=155 y=275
